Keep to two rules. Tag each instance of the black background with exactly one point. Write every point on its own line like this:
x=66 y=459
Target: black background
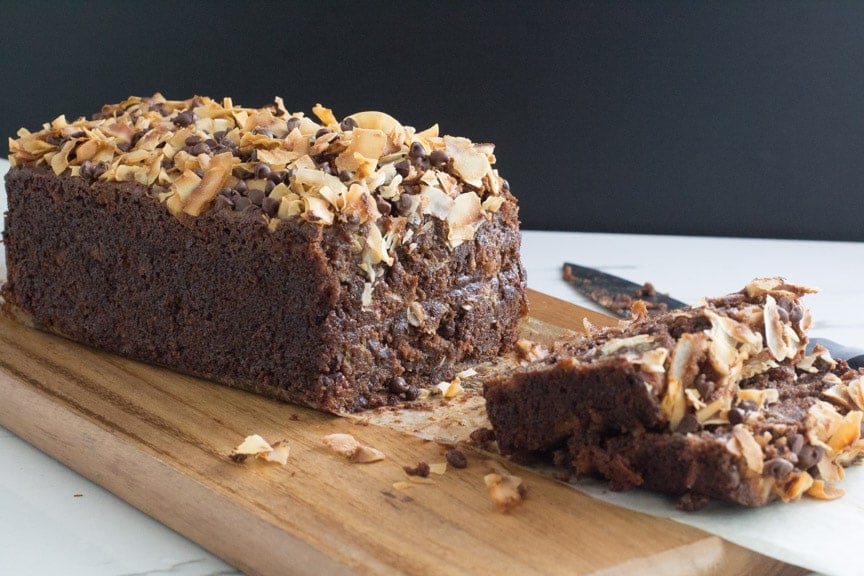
x=730 y=119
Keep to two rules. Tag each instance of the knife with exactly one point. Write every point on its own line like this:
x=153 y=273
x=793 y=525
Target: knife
x=616 y=295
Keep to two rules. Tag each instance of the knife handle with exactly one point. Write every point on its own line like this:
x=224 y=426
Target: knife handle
x=853 y=356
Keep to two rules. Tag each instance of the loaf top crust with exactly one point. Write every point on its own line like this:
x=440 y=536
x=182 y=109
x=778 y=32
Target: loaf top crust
x=200 y=154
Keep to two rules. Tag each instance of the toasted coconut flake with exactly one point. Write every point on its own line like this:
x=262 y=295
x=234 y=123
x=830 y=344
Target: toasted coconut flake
x=855 y=389
x=795 y=488
x=848 y=431
x=438 y=468
x=761 y=398
x=463 y=217
x=530 y=351
x=255 y=445
x=839 y=395
x=471 y=164
x=373 y=120
x=829 y=470
x=348 y=446
x=344 y=444
x=750 y=448
x=504 y=490
x=823 y=491
x=467 y=373
x=616 y=344
x=324 y=114
x=279 y=454
x=366 y=455
x=435 y=202
x=683 y=368
x=416 y=315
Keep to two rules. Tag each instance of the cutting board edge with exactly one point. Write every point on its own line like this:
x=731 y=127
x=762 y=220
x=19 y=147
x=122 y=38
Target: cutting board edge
x=266 y=543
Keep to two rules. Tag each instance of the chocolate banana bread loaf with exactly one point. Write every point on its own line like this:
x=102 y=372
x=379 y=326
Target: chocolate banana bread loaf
x=717 y=401
x=336 y=264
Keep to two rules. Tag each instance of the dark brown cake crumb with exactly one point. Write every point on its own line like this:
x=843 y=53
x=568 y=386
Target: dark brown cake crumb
x=421 y=470
x=456 y=458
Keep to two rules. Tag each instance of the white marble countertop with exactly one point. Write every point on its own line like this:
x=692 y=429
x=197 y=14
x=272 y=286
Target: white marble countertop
x=53 y=521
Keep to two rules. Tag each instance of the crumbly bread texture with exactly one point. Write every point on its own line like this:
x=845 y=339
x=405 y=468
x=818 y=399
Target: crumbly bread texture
x=336 y=264
x=716 y=401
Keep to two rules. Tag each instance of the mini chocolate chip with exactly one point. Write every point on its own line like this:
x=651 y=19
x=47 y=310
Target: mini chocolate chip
x=200 y=148
x=227 y=192
x=796 y=314
x=705 y=387
x=220 y=134
x=456 y=458
x=270 y=206
x=293 y=123
x=199 y=172
x=747 y=406
x=241 y=173
x=412 y=393
x=86 y=170
x=268 y=186
x=124 y=146
x=241 y=203
x=438 y=158
x=326 y=168
x=185 y=119
x=53 y=140
x=505 y=185
x=192 y=140
x=404 y=203
x=222 y=203
x=777 y=467
x=321 y=132
x=211 y=143
x=348 y=124
x=398 y=386
x=689 y=423
x=417 y=150
x=262 y=171
x=384 y=207
x=345 y=175
x=784 y=315
x=256 y=196
x=219 y=149
x=264 y=131
x=137 y=136
x=735 y=415
x=403 y=168
x=796 y=443
x=168 y=163
x=241 y=187
x=277 y=176
x=809 y=455
x=99 y=169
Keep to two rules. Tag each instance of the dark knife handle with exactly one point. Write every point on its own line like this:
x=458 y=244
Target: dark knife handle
x=853 y=356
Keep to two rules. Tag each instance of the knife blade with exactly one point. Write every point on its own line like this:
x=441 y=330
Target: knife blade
x=617 y=294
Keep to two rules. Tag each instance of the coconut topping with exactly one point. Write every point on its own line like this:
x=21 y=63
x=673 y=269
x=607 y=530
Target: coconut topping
x=199 y=155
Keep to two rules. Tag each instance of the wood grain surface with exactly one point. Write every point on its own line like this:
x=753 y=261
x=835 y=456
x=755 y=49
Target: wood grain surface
x=161 y=440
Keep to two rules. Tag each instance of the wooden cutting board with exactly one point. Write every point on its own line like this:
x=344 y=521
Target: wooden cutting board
x=161 y=441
